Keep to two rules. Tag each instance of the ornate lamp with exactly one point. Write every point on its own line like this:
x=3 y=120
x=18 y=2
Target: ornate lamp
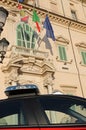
x=3 y=48
x=3 y=42
x=3 y=17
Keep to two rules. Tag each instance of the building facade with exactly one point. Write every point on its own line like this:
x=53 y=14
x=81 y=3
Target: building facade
x=34 y=58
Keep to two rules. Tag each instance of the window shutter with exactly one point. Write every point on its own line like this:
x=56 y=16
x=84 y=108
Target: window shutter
x=83 y=57
x=62 y=53
x=18 y=38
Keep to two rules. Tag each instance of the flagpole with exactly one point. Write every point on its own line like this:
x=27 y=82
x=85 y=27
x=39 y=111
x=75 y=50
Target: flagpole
x=34 y=5
x=38 y=40
x=23 y=31
x=18 y=1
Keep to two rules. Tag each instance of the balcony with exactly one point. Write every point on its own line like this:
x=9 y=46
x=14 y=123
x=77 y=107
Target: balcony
x=28 y=52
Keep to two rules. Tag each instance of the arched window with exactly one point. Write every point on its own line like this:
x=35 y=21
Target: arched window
x=26 y=36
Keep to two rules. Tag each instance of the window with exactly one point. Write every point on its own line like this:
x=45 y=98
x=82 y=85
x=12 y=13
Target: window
x=17 y=113
x=53 y=6
x=62 y=52
x=63 y=110
x=11 y=116
x=83 y=55
x=74 y=16
x=26 y=37
x=80 y=109
x=63 y=117
x=31 y=2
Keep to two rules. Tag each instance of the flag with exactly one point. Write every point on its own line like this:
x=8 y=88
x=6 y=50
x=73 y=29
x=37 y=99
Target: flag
x=47 y=44
x=49 y=30
x=21 y=1
x=36 y=19
x=19 y=6
x=24 y=17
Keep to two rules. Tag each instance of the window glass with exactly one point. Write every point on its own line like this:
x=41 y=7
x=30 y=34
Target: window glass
x=11 y=113
x=57 y=117
x=9 y=120
x=62 y=52
x=31 y=2
x=26 y=37
x=17 y=113
x=80 y=109
x=64 y=111
x=73 y=13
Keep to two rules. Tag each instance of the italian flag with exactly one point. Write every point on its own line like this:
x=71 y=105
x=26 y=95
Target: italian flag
x=36 y=19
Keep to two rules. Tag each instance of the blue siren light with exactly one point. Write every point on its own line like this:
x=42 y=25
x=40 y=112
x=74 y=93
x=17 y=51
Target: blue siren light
x=21 y=89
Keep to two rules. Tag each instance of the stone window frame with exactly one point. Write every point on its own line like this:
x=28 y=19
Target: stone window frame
x=61 y=41
x=73 y=11
x=73 y=14
x=81 y=48
x=53 y=2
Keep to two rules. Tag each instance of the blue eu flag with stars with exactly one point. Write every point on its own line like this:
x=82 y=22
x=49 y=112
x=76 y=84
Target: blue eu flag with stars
x=49 y=30
x=21 y=1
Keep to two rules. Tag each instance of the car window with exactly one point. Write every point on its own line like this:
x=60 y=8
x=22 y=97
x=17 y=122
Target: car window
x=11 y=113
x=57 y=117
x=17 y=113
x=79 y=108
x=64 y=110
x=9 y=120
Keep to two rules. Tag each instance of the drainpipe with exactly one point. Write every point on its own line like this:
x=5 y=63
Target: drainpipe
x=75 y=59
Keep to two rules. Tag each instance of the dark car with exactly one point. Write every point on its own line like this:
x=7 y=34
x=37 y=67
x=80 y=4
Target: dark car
x=26 y=109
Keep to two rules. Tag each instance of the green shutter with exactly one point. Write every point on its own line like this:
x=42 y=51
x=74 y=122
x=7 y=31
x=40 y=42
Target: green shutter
x=18 y=38
x=83 y=57
x=62 y=53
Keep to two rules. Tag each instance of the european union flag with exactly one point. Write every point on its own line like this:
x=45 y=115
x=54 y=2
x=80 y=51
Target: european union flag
x=21 y=1
x=49 y=30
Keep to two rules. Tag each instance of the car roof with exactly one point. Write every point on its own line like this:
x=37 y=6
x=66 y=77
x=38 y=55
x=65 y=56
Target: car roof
x=59 y=96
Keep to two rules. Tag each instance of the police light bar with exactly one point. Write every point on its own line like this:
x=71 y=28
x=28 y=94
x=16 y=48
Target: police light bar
x=21 y=90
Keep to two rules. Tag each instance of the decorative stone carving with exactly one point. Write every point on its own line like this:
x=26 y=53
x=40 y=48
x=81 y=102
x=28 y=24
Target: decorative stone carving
x=31 y=68
x=20 y=66
x=48 y=80
x=13 y=78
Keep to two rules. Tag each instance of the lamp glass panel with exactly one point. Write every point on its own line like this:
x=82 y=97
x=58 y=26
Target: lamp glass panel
x=2 y=18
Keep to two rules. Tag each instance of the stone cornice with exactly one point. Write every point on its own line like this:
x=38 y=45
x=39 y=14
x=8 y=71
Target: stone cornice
x=82 y=45
x=42 y=13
